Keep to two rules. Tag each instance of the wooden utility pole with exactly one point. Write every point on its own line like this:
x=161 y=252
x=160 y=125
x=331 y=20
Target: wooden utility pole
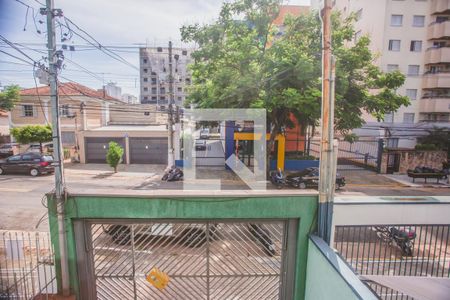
x=327 y=157
x=171 y=158
x=57 y=147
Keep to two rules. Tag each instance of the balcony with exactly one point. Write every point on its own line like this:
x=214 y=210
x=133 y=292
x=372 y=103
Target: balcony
x=438 y=30
x=434 y=105
x=439 y=6
x=436 y=80
x=437 y=55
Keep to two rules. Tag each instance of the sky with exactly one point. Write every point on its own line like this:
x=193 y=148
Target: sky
x=125 y=25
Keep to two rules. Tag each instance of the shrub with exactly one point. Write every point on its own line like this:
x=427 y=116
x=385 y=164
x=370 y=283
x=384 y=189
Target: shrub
x=114 y=155
x=426 y=147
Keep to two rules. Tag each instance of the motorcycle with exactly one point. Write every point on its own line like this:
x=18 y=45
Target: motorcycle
x=403 y=238
x=172 y=174
x=277 y=178
x=263 y=236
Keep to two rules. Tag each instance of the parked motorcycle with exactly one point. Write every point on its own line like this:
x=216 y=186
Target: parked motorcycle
x=277 y=178
x=403 y=238
x=263 y=236
x=172 y=174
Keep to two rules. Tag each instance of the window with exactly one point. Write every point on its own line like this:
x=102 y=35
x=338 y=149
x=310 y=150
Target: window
x=180 y=98
x=68 y=137
x=162 y=98
x=145 y=60
x=408 y=118
x=28 y=110
x=145 y=98
x=392 y=143
x=359 y=14
x=411 y=94
x=14 y=158
x=153 y=80
x=394 y=45
x=27 y=157
x=145 y=79
x=418 y=21
x=413 y=70
x=180 y=89
x=162 y=90
x=145 y=70
x=440 y=19
x=392 y=68
x=188 y=80
x=396 y=20
x=154 y=98
x=389 y=117
x=416 y=46
x=154 y=91
x=65 y=110
x=145 y=89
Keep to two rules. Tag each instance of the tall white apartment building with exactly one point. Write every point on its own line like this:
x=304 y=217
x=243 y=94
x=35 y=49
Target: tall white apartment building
x=154 y=75
x=412 y=36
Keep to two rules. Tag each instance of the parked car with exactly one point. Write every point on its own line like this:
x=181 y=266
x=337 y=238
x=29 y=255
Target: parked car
x=30 y=162
x=200 y=145
x=7 y=149
x=46 y=147
x=310 y=178
x=204 y=133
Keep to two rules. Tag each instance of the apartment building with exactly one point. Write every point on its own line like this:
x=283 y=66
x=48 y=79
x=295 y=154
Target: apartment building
x=154 y=76
x=411 y=36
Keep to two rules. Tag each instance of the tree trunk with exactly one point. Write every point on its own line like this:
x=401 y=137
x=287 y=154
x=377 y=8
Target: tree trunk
x=274 y=130
x=115 y=169
x=40 y=148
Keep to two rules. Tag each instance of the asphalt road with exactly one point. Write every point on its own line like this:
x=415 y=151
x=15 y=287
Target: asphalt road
x=21 y=195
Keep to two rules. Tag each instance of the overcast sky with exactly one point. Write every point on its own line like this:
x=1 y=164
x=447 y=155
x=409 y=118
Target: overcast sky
x=112 y=23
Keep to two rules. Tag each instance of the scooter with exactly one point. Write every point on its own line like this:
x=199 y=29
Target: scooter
x=277 y=178
x=403 y=238
x=172 y=174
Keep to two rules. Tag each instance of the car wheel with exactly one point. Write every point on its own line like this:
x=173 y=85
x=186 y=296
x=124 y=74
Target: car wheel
x=2 y=171
x=302 y=185
x=34 y=172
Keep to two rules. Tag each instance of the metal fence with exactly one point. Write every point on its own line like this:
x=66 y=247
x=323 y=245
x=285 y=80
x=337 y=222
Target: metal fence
x=371 y=250
x=203 y=260
x=26 y=265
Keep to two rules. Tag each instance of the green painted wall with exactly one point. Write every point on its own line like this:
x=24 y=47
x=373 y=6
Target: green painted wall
x=323 y=281
x=303 y=208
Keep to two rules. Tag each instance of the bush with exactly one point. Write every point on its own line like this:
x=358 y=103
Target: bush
x=426 y=147
x=114 y=155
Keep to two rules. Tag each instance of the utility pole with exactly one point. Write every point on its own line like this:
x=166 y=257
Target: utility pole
x=327 y=157
x=171 y=158
x=59 y=168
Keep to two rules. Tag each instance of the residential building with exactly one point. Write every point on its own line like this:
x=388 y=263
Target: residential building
x=4 y=127
x=154 y=76
x=130 y=99
x=111 y=89
x=410 y=36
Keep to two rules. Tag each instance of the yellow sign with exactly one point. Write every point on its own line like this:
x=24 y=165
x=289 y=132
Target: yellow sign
x=158 y=278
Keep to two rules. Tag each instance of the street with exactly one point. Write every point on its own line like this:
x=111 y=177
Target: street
x=22 y=196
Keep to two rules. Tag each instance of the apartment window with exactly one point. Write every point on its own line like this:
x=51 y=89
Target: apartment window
x=392 y=143
x=408 y=118
x=359 y=14
x=64 y=110
x=28 y=111
x=145 y=79
x=389 y=117
x=153 y=80
x=145 y=70
x=154 y=98
x=145 y=60
x=162 y=90
x=162 y=98
x=396 y=20
x=145 y=98
x=394 y=45
x=418 y=21
x=411 y=94
x=416 y=46
x=180 y=98
x=145 y=89
x=180 y=89
x=154 y=92
x=188 y=80
x=392 y=68
x=440 y=19
x=413 y=70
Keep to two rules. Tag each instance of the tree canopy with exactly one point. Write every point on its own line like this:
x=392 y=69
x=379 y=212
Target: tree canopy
x=244 y=61
x=9 y=97
x=32 y=134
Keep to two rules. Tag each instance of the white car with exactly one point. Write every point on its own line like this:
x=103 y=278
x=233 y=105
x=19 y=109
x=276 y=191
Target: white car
x=204 y=133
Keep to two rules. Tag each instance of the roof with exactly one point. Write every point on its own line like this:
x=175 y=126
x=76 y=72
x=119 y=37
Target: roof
x=292 y=10
x=131 y=128
x=67 y=89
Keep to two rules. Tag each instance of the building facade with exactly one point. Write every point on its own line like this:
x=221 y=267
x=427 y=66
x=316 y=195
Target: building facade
x=154 y=76
x=130 y=99
x=410 y=36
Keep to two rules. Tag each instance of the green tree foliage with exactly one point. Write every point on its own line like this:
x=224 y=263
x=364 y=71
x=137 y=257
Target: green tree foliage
x=439 y=138
x=32 y=134
x=243 y=62
x=114 y=155
x=9 y=97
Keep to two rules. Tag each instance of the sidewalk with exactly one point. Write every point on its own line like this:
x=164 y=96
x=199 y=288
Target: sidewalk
x=420 y=183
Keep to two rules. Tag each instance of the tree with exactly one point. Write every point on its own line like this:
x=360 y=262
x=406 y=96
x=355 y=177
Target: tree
x=244 y=62
x=438 y=137
x=9 y=97
x=32 y=134
x=114 y=155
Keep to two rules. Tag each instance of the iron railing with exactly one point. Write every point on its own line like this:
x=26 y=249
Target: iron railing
x=26 y=265
x=370 y=251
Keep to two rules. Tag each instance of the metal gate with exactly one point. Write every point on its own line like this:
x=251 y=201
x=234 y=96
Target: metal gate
x=97 y=147
x=148 y=150
x=213 y=259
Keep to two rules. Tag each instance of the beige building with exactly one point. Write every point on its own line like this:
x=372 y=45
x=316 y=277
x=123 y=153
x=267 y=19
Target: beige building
x=410 y=36
x=154 y=74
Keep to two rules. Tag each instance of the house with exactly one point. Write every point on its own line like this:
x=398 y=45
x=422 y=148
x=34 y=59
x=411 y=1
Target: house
x=4 y=127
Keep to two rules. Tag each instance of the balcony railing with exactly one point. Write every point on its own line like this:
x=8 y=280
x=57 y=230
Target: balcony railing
x=439 y=6
x=434 y=105
x=435 y=55
x=438 y=30
x=436 y=80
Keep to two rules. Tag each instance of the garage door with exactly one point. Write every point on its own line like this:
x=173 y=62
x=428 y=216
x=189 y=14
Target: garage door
x=96 y=149
x=148 y=150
